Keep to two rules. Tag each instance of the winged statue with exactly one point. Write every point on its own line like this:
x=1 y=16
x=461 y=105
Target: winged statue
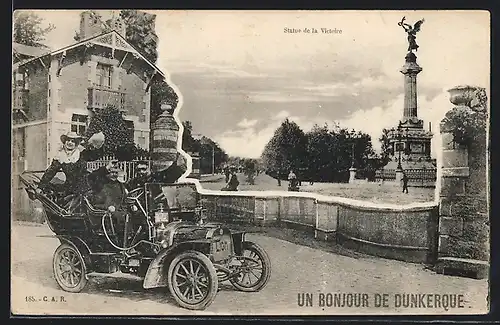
x=412 y=33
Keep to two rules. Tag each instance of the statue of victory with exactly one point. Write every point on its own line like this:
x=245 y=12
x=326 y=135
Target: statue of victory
x=412 y=33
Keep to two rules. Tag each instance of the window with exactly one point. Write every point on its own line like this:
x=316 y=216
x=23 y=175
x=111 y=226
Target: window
x=142 y=142
x=79 y=123
x=104 y=75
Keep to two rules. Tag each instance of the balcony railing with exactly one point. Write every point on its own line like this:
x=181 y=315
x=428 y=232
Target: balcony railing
x=102 y=97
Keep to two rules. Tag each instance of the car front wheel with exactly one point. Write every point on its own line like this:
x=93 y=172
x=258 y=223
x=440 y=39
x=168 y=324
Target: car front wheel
x=192 y=280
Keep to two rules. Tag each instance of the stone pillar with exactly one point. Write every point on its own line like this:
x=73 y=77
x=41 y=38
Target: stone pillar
x=410 y=71
x=463 y=209
x=164 y=147
x=352 y=174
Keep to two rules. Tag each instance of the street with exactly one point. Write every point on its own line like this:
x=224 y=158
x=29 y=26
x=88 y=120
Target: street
x=370 y=191
x=295 y=270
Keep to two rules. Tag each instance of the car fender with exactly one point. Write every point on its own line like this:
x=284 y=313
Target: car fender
x=81 y=247
x=156 y=275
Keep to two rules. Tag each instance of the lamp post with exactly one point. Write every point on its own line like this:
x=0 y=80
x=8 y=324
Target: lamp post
x=399 y=136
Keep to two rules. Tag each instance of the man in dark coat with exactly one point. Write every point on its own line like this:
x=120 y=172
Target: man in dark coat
x=405 y=183
x=233 y=183
x=108 y=192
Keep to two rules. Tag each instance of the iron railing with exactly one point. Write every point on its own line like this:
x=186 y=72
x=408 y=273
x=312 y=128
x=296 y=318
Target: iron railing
x=99 y=97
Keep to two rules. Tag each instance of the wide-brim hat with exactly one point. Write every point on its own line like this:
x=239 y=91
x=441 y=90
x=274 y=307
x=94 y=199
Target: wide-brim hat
x=71 y=135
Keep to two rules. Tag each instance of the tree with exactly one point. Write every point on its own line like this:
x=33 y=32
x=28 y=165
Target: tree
x=320 y=150
x=286 y=150
x=189 y=143
x=209 y=150
x=161 y=93
x=386 y=148
x=117 y=136
x=140 y=32
x=28 y=29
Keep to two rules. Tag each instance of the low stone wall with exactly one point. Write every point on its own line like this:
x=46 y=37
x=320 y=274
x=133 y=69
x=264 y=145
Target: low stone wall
x=403 y=233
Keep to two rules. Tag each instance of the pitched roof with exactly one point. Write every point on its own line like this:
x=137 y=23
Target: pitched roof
x=29 y=50
x=88 y=40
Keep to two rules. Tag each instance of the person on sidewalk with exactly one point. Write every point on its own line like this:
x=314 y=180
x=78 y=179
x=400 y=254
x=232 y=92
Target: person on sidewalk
x=405 y=183
x=233 y=183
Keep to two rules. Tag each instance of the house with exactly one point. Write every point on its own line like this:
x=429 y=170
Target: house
x=58 y=91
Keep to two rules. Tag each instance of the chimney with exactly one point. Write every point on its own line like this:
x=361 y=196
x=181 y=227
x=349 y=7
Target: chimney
x=430 y=128
x=90 y=25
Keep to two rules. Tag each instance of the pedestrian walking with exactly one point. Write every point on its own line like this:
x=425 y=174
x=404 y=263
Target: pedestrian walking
x=405 y=183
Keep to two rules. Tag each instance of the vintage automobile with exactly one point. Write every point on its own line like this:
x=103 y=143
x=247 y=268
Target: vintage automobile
x=165 y=241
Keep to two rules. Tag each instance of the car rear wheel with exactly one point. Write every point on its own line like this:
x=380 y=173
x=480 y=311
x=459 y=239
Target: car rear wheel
x=255 y=268
x=69 y=268
x=192 y=280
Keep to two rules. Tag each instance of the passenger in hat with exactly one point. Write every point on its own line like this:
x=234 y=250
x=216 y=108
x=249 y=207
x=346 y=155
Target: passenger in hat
x=72 y=159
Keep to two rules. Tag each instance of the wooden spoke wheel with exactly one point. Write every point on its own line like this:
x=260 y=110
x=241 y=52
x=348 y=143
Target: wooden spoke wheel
x=255 y=269
x=192 y=280
x=69 y=269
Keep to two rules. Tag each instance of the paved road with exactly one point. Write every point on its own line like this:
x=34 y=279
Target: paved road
x=296 y=270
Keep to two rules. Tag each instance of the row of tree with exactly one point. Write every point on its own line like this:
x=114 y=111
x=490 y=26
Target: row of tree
x=212 y=156
x=323 y=154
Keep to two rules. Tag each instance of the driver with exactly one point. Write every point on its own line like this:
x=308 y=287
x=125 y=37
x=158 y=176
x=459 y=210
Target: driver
x=108 y=190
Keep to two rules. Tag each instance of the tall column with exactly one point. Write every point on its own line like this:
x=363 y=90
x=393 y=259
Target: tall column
x=410 y=71
x=164 y=147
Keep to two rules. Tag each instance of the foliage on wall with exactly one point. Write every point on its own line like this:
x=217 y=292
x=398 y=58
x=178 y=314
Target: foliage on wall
x=468 y=123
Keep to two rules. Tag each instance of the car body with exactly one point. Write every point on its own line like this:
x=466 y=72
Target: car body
x=165 y=241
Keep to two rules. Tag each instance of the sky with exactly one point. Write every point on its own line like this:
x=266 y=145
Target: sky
x=241 y=75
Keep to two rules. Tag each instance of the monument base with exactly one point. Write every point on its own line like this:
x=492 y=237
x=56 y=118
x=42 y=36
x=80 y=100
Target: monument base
x=420 y=173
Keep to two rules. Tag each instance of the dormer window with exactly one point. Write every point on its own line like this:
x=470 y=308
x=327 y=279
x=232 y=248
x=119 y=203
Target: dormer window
x=104 y=75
